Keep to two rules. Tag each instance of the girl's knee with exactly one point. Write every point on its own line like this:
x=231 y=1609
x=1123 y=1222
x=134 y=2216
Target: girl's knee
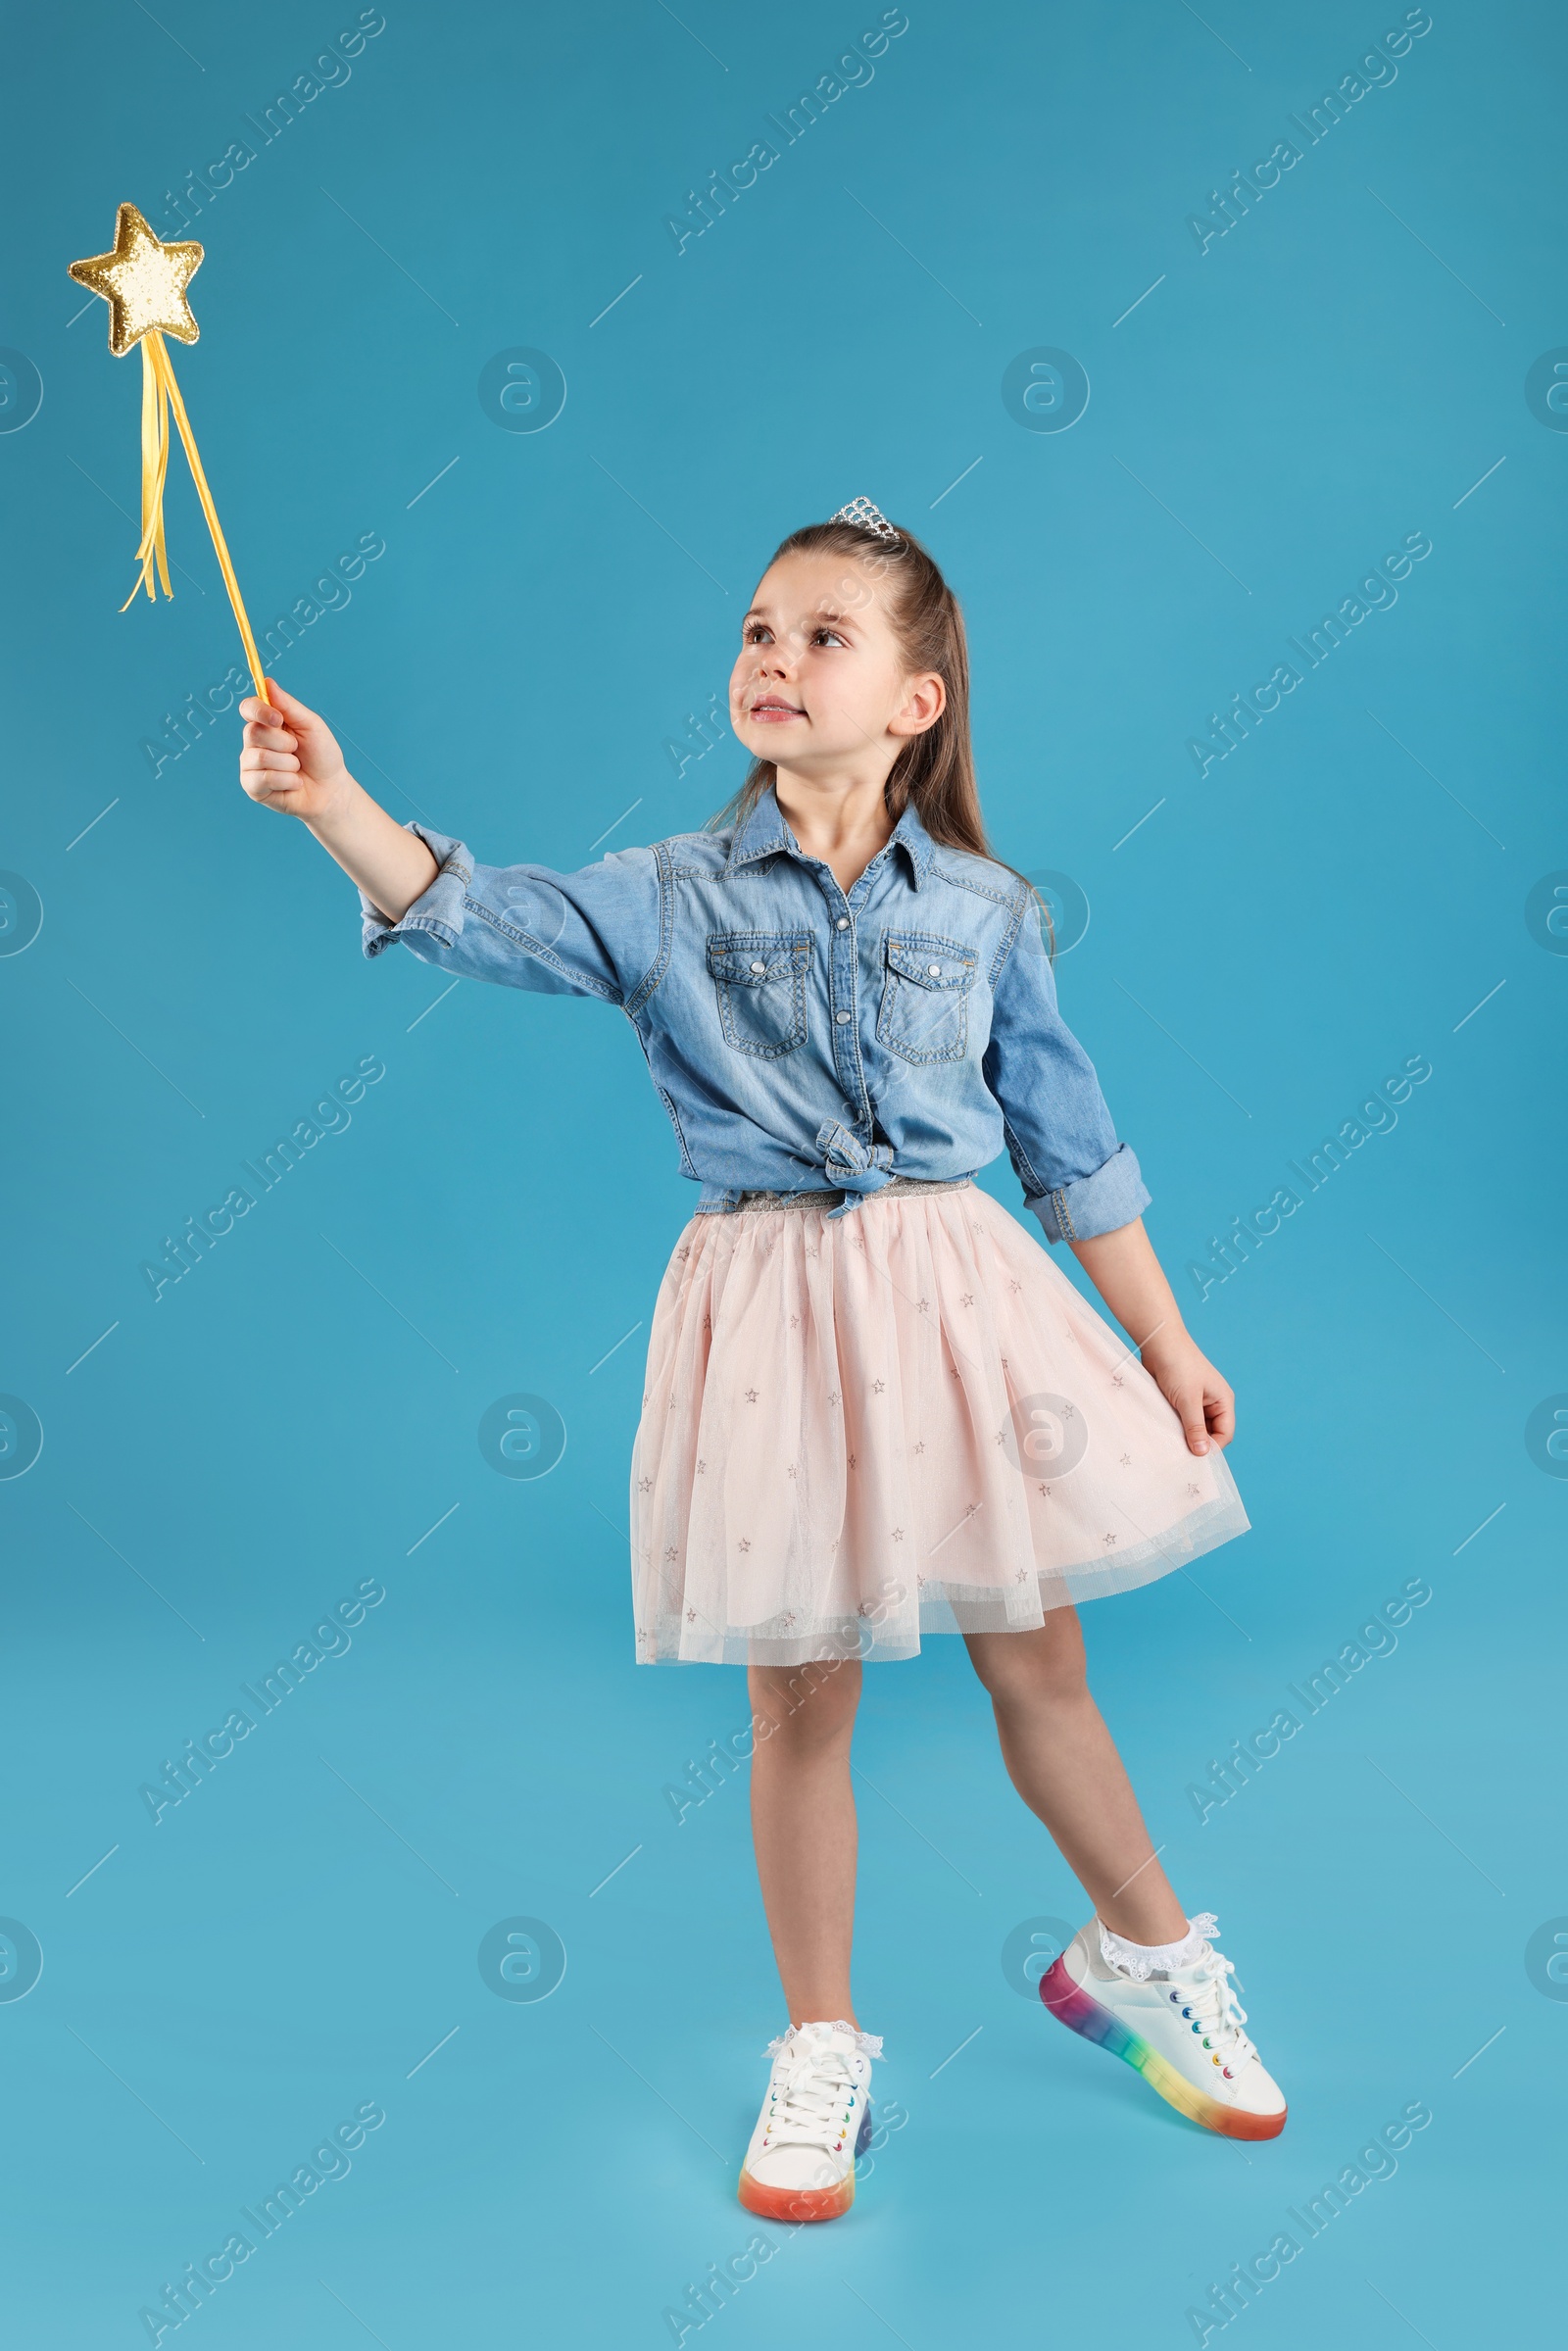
x=805 y=1704
x=1046 y=1663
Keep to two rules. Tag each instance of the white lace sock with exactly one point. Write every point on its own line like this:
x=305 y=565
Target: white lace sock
x=1143 y=1960
x=868 y=2043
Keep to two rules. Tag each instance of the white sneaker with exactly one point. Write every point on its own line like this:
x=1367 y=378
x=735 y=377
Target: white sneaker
x=816 y=2120
x=1182 y=2029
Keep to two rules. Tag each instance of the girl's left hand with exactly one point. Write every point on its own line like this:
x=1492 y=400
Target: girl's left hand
x=1205 y=1402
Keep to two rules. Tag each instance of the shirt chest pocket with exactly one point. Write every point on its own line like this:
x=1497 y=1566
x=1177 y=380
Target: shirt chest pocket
x=760 y=979
x=924 y=1013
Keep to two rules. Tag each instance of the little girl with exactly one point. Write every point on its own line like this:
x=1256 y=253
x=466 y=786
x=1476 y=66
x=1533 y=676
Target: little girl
x=874 y=1407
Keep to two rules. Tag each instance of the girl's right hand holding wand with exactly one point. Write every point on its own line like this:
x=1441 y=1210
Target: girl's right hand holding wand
x=291 y=762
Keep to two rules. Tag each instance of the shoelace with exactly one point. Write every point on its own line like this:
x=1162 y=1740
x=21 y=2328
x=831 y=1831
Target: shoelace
x=1213 y=2011
x=811 y=2102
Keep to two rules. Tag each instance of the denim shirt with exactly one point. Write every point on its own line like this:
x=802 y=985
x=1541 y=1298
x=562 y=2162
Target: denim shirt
x=803 y=1038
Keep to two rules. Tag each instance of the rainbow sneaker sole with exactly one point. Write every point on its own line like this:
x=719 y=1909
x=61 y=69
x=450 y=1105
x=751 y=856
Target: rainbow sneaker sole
x=806 y=2203
x=1075 y=2007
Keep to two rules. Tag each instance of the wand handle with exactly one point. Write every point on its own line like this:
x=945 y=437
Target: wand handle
x=165 y=372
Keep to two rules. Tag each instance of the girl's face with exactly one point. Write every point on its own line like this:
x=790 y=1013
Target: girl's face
x=819 y=685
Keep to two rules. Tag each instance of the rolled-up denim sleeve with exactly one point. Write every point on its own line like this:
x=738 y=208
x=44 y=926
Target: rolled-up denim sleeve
x=595 y=932
x=1076 y=1176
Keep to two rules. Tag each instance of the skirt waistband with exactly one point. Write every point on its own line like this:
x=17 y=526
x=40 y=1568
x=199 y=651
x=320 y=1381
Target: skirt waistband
x=835 y=1200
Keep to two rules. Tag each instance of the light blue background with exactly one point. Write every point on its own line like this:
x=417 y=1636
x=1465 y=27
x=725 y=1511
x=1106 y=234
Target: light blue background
x=1262 y=951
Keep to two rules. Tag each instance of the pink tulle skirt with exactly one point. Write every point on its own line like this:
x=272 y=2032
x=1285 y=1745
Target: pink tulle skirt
x=904 y=1421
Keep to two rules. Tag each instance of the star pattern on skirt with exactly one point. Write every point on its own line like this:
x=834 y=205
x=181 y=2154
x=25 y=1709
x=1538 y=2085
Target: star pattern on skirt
x=880 y=1387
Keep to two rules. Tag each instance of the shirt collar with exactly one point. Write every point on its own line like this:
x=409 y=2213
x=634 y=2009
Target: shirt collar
x=766 y=834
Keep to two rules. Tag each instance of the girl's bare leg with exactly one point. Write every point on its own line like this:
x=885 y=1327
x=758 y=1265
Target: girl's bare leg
x=1063 y=1762
x=803 y=1828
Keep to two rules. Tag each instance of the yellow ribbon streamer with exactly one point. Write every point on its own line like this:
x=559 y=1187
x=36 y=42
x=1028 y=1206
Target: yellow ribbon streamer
x=159 y=394
x=169 y=398
x=154 y=469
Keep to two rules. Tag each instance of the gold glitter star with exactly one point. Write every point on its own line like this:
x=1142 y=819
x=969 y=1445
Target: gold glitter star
x=143 y=283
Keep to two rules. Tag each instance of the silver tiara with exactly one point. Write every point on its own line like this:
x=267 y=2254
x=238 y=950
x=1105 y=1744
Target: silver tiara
x=865 y=516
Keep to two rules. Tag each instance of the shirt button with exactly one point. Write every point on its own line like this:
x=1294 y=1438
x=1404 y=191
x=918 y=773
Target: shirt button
x=843 y=923
x=934 y=969
x=758 y=967
x=842 y=1018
